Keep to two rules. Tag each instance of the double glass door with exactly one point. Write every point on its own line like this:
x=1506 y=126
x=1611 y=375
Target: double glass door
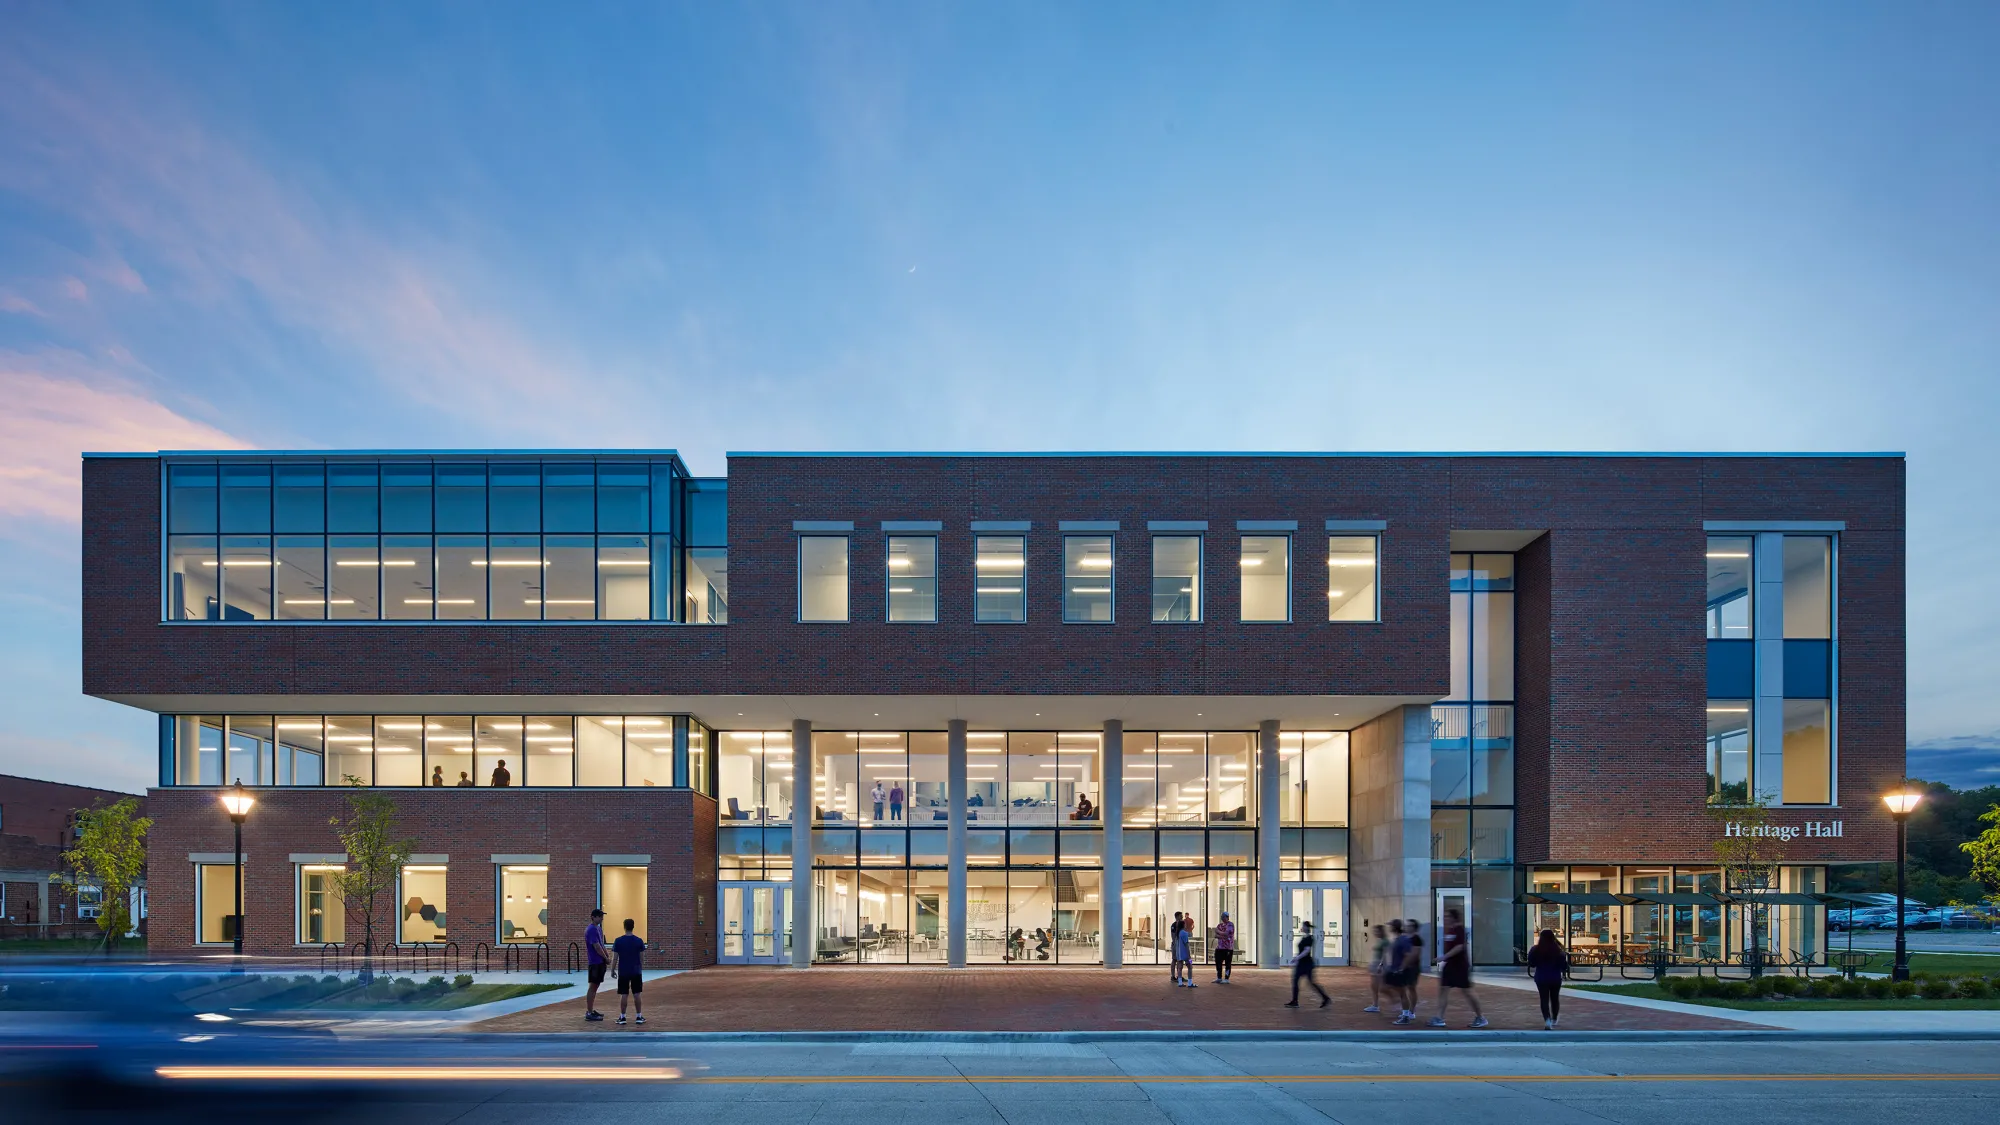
x=753 y=924
x=1324 y=906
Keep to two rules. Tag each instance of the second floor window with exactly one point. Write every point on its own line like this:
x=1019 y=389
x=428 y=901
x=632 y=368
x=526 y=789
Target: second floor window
x=1729 y=588
x=1000 y=579
x=1087 y=574
x=822 y=578
x=1267 y=577
x=912 y=577
x=1177 y=578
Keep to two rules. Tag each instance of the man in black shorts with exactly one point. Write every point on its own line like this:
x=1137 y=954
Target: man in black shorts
x=597 y=960
x=1455 y=969
x=628 y=948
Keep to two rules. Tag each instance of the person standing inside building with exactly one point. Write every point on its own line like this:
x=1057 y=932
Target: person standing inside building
x=464 y=780
x=630 y=982
x=501 y=778
x=1378 y=970
x=1302 y=967
x=1455 y=969
x=1547 y=962
x=1225 y=948
x=896 y=801
x=1183 y=954
x=877 y=795
x=597 y=959
x=437 y=776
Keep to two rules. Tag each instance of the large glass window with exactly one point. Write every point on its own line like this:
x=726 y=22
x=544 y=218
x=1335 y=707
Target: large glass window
x=822 y=578
x=569 y=577
x=422 y=896
x=215 y=902
x=1000 y=579
x=246 y=577
x=1177 y=578
x=623 y=577
x=322 y=912
x=1351 y=590
x=549 y=750
x=406 y=497
x=649 y=750
x=1808 y=587
x=354 y=566
x=191 y=499
x=352 y=498
x=246 y=497
x=1729 y=751
x=301 y=577
x=1729 y=559
x=524 y=903
x=1266 y=565
x=461 y=497
x=1087 y=579
x=1808 y=748
x=194 y=579
x=409 y=579
x=912 y=578
x=399 y=750
x=621 y=894
x=708 y=585
x=300 y=496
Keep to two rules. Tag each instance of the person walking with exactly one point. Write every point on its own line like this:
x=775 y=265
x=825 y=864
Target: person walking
x=1455 y=969
x=1225 y=948
x=896 y=801
x=1413 y=968
x=1378 y=969
x=597 y=958
x=1302 y=968
x=1392 y=969
x=630 y=981
x=1183 y=937
x=1547 y=962
x=1173 y=951
x=878 y=795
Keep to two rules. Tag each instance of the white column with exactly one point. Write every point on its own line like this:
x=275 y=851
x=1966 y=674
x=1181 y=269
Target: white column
x=1767 y=731
x=1110 y=811
x=954 y=772
x=805 y=934
x=1270 y=943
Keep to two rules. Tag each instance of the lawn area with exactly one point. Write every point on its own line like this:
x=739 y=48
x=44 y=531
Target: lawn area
x=1913 y=1004
x=1946 y=962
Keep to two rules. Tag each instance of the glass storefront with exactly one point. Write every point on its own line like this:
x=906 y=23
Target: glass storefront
x=1601 y=929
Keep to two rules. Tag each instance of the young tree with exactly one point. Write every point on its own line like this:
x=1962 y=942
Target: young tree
x=1985 y=851
x=1749 y=853
x=110 y=853
x=375 y=856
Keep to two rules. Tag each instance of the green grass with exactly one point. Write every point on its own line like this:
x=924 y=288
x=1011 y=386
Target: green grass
x=456 y=998
x=1914 y=1003
x=1946 y=962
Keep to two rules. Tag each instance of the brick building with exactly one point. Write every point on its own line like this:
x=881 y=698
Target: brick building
x=1300 y=688
x=37 y=824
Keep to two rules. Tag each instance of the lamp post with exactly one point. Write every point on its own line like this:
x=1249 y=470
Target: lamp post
x=1901 y=805
x=237 y=800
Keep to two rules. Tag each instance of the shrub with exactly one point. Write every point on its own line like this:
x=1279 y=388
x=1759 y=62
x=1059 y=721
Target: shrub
x=1712 y=986
x=462 y=980
x=1902 y=989
x=1975 y=988
x=1783 y=986
x=330 y=981
x=1877 y=988
x=1686 y=988
x=378 y=989
x=1935 y=988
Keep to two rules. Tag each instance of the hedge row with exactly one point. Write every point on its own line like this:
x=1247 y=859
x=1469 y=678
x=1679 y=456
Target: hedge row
x=1930 y=986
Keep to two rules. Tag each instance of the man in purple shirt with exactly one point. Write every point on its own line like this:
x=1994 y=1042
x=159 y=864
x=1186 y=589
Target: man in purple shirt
x=600 y=959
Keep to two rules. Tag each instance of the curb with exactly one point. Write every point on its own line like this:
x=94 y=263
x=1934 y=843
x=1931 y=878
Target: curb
x=809 y=1038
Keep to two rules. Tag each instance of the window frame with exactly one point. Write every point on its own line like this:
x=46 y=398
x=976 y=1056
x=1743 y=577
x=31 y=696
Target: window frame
x=299 y=870
x=1374 y=611
x=1199 y=598
x=799 y=561
x=1111 y=577
x=889 y=576
x=1020 y=595
x=1242 y=541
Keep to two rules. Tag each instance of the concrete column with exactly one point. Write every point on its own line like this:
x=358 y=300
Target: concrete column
x=805 y=934
x=1767 y=732
x=1110 y=806
x=954 y=773
x=1270 y=942
x=1390 y=800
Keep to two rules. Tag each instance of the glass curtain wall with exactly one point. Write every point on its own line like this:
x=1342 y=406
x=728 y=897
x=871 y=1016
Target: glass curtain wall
x=577 y=539
x=1472 y=754
x=1601 y=934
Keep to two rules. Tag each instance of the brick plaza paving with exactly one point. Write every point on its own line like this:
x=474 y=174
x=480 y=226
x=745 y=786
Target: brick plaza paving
x=1030 y=998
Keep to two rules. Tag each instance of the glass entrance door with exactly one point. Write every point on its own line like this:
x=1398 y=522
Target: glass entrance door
x=753 y=924
x=1324 y=905
x=1452 y=898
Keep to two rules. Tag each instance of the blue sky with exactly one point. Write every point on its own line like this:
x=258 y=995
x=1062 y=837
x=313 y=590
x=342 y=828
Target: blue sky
x=938 y=226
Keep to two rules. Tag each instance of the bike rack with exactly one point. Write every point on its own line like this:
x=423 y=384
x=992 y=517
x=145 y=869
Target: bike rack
x=335 y=947
x=482 y=958
x=573 y=960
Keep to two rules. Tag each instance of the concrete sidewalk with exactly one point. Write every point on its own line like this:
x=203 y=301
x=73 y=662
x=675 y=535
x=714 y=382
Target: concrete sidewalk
x=1797 y=1017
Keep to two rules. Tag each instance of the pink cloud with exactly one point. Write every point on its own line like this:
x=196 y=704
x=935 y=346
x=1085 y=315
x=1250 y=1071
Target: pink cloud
x=75 y=289
x=15 y=304
x=55 y=413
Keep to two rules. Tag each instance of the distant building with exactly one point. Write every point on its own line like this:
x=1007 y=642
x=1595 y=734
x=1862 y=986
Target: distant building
x=37 y=823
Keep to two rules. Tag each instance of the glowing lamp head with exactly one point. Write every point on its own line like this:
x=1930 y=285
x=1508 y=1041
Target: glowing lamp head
x=1903 y=803
x=237 y=801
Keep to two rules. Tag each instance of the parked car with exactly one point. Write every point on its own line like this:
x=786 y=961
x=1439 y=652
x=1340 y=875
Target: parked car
x=1860 y=918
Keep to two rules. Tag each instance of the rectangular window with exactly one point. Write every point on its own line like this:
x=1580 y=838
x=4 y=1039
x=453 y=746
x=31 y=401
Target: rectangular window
x=1808 y=750
x=569 y=501
x=624 y=499
x=822 y=578
x=524 y=903
x=215 y=899
x=194 y=579
x=246 y=577
x=1729 y=560
x=1000 y=577
x=352 y=503
x=246 y=497
x=406 y=497
x=461 y=497
x=1351 y=587
x=1087 y=578
x=1728 y=751
x=354 y=564
x=1266 y=564
x=301 y=577
x=708 y=585
x=600 y=750
x=621 y=894
x=514 y=572
x=422 y=897
x=461 y=578
x=548 y=754
x=649 y=750
x=912 y=578
x=408 y=578
x=1808 y=588
x=191 y=499
x=569 y=578
x=663 y=578
x=514 y=498
x=1177 y=578
x=322 y=912
x=399 y=750
x=623 y=577
x=301 y=497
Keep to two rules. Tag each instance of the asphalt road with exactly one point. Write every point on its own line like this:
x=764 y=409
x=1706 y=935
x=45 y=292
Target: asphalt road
x=1454 y=1080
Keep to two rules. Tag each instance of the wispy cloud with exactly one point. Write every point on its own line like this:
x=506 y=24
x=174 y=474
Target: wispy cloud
x=57 y=408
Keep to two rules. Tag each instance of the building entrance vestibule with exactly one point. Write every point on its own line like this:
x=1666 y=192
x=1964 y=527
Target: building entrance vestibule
x=1324 y=905
x=752 y=923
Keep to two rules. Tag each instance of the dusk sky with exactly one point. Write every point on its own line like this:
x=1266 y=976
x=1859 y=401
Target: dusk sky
x=928 y=226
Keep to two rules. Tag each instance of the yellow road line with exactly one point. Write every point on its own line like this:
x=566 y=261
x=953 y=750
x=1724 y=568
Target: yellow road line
x=1293 y=1079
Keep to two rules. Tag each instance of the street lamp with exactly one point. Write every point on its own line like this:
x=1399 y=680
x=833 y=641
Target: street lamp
x=1901 y=805
x=237 y=800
